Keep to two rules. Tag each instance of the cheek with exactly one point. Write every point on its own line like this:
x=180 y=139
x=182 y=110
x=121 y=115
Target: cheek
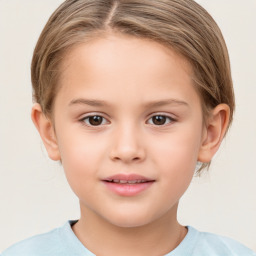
x=178 y=150
x=78 y=148
x=80 y=156
x=178 y=168
x=176 y=156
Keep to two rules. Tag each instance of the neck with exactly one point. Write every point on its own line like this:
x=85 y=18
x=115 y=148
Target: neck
x=156 y=238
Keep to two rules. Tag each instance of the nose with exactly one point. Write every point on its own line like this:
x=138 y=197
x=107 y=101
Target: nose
x=127 y=146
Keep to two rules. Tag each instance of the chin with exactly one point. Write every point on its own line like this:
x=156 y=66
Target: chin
x=129 y=223
x=131 y=220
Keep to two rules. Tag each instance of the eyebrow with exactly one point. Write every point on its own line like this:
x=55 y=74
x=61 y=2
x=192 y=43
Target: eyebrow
x=165 y=102
x=90 y=102
x=101 y=103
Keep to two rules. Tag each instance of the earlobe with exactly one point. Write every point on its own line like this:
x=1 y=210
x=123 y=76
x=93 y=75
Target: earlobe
x=46 y=130
x=215 y=130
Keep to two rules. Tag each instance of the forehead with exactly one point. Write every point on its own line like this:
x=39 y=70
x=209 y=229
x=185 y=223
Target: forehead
x=111 y=50
x=123 y=65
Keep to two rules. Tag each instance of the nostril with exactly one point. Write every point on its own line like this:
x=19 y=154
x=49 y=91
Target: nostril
x=116 y=158
x=127 y=151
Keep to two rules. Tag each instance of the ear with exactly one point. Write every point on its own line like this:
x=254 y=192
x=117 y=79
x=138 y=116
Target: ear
x=216 y=127
x=46 y=130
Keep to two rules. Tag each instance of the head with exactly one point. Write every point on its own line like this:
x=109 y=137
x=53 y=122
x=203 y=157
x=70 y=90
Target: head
x=110 y=49
x=183 y=26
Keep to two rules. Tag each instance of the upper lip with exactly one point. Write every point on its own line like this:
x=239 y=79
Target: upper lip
x=128 y=177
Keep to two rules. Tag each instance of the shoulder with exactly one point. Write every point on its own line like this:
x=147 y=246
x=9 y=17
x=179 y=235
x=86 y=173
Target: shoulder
x=39 y=245
x=219 y=245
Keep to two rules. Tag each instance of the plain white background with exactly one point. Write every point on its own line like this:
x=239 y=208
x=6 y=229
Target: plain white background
x=34 y=195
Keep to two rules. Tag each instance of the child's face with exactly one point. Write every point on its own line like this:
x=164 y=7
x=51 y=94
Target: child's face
x=127 y=107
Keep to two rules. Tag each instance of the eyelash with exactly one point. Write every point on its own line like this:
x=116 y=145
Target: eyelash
x=166 y=117
x=85 y=120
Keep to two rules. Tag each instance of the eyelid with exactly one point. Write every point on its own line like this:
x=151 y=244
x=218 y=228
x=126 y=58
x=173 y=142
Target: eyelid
x=90 y=114
x=171 y=117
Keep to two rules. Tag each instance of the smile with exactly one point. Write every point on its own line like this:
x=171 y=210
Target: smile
x=127 y=184
x=128 y=181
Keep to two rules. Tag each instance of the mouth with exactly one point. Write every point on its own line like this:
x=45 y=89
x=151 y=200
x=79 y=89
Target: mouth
x=128 y=181
x=128 y=185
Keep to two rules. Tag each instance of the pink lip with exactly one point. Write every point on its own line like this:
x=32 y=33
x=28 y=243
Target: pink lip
x=127 y=184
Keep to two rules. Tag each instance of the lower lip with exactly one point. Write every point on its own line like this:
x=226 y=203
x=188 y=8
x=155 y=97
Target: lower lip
x=128 y=189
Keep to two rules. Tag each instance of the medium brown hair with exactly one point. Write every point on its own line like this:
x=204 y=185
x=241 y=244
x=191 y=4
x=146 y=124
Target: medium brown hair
x=182 y=25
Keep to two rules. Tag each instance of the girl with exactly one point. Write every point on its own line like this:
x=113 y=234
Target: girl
x=130 y=95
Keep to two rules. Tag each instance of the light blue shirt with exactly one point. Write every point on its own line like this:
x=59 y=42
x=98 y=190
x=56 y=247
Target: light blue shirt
x=63 y=242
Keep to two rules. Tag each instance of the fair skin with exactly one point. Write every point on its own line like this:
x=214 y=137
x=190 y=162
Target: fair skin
x=147 y=121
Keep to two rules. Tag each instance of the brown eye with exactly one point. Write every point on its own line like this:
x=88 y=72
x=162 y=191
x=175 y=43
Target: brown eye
x=160 y=120
x=94 y=120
